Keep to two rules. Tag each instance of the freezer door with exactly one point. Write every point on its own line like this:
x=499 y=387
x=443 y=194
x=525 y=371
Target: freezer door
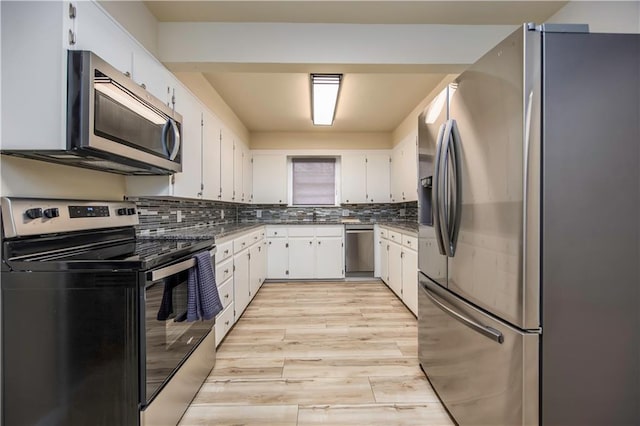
x=485 y=372
x=487 y=268
x=431 y=260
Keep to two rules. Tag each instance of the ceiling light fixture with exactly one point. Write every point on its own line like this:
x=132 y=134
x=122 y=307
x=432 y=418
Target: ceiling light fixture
x=324 y=97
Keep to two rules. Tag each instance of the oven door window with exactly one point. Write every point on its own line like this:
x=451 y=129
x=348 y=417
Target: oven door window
x=169 y=337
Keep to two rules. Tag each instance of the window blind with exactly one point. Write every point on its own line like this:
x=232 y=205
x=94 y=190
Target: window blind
x=314 y=181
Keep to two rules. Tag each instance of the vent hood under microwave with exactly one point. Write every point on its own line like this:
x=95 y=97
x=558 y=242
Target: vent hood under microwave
x=112 y=124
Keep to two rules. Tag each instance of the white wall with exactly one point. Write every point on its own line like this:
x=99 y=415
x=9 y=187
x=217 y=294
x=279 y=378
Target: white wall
x=602 y=16
x=30 y=178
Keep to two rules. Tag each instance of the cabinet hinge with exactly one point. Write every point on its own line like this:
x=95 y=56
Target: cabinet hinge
x=286 y=272
x=173 y=179
x=72 y=11
x=366 y=160
x=72 y=38
x=234 y=268
x=341 y=244
x=249 y=256
x=390 y=160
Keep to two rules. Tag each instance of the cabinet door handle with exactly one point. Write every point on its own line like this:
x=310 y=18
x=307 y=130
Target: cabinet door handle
x=310 y=242
x=226 y=271
x=319 y=242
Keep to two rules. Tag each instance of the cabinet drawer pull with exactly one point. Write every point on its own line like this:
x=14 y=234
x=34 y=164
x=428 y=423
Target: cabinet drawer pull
x=226 y=251
x=226 y=296
x=226 y=271
x=226 y=322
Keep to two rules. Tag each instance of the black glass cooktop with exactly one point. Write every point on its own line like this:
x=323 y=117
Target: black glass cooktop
x=109 y=250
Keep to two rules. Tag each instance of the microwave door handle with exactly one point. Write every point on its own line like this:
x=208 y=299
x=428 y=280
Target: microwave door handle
x=176 y=137
x=435 y=197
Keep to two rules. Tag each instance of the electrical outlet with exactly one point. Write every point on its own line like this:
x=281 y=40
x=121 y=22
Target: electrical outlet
x=221 y=214
x=403 y=212
x=345 y=212
x=179 y=216
x=258 y=214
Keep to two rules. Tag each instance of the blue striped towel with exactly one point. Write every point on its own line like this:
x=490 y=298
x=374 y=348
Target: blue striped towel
x=202 y=292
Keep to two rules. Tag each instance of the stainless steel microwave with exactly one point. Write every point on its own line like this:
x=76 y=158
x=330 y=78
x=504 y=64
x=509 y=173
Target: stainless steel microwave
x=108 y=114
x=112 y=124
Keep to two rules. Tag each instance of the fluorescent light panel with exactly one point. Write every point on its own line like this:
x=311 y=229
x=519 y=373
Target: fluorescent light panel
x=324 y=97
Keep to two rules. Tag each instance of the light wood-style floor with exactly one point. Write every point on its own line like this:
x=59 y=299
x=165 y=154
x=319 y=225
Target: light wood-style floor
x=319 y=353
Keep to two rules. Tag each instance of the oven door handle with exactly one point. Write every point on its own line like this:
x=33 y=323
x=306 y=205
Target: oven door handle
x=167 y=271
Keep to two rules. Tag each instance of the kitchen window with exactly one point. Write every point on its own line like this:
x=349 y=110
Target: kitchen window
x=313 y=181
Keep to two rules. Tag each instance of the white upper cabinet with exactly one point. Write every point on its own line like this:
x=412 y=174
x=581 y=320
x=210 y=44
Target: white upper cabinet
x=354 y=178
x=188 y=182
x=247 y=177
x=365 y=177
x=269 y=179
x=95 y=30
x=238 y=166
x=404 y=170
x=226 y=165
x=378 y=179
x=210 y=156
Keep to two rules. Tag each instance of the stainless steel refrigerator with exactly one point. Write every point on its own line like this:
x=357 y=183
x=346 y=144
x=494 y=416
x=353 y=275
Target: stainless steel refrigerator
x=529 y=240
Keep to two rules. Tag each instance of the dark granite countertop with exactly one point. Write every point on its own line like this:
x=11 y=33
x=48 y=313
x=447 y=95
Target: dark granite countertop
x=201 y=232
x=220 y=231
x=403 y=226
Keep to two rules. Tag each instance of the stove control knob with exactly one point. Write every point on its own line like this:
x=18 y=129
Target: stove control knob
x=34 y=213
x=51 y=213
x=121 y=212
x=131 y=211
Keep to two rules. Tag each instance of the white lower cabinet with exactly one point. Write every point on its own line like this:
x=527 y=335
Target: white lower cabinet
x=240 y=271
x=278 y=258
x=398 y=260
x=305 y=252
x=301 y=257
x=224 y=322
x=241 y=281
x=395 y=268
x=329 y=258
x=410 y=279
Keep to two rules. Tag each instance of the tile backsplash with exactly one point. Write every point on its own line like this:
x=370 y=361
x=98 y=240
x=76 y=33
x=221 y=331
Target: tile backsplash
x=365 y=212
x=159 y=215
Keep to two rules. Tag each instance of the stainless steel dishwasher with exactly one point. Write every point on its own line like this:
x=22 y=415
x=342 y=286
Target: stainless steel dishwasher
x=359 y=250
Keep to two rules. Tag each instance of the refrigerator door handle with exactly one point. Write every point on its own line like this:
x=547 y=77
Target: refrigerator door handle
x=456 y=155
x=486 y=331
x=436 y=199
x=451 y=183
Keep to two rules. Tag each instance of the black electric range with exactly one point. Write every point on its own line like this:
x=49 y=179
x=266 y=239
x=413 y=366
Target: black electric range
x=87 y=336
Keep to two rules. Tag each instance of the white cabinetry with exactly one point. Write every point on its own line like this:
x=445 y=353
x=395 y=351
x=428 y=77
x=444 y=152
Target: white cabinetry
x=241 y=280
x=404 y=170
x=398 y=259
x=305 y=252
x=365 y=178
x=410 y=274
x=95 y=30
x=210 y=156
x=277 y=253
x=329 y=258
x=395 y=268
x=240 y=260
x=378 y=178
x=188 y=183
x=226 y=164
x=269 y=179
x=354 y=178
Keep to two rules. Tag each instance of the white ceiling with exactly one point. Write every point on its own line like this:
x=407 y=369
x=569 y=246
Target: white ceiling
x=378 y=100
